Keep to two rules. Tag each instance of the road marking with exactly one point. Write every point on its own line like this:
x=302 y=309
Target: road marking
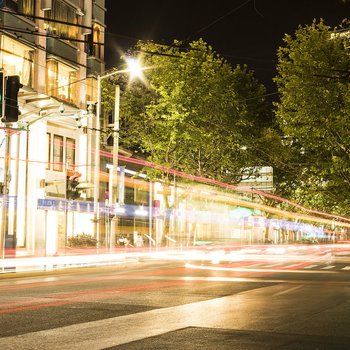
x=346 y=268
x=105 y=333
x=309 y=266
x=231 y=279
x=230 y=312
x=288 y=290
x=114 y=331
x=213 y=268
x=328 y=267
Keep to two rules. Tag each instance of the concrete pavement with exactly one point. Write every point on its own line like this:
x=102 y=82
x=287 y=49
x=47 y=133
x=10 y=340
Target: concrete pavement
x=278 y=308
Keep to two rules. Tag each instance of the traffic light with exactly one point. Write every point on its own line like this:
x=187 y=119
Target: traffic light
x=11 y=87
x=72 y=192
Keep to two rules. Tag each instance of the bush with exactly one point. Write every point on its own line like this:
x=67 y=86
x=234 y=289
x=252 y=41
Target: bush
x=82 y=240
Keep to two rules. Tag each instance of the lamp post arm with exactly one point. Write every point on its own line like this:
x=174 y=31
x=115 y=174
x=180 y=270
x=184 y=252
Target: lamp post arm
x=115 y=72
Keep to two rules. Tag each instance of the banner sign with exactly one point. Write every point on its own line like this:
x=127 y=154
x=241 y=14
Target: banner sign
x=64 y=205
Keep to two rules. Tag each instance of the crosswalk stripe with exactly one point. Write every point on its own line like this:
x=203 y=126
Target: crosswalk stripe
x=328 y=267
x=309 y=266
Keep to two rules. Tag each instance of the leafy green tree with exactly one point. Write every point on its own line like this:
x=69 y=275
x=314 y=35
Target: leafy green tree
x=313 y=81
x=196 y=114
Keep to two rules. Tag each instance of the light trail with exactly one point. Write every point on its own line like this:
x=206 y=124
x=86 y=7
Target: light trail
x=201 y=179
x=302 y=254
x=222 y=184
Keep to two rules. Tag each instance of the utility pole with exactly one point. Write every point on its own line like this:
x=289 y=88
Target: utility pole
x=135 y=70
x=97 y=164
x=113 y=185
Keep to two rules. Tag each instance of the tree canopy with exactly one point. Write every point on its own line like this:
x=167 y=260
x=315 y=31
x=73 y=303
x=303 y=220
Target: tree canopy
x=313 y=81
x=194 y=113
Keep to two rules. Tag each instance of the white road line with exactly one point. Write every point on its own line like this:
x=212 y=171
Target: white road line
x=328 y=267
x=309 y=266
x=288 y=290
x=213 y=268
x=346 y=268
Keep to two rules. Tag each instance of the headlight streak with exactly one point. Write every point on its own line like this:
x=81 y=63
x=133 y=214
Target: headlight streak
x=236 y=188
x=340 y=220
x=298 y=256
x=65 y=261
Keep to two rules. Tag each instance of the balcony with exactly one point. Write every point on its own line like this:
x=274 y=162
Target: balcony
x=61 y=49
x=10 y=4
x=99 y=12
x=22 y=25
x=95 y=65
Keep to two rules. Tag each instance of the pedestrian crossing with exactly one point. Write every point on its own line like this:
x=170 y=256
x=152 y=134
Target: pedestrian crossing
x=328 y=267
x=320 y=266
x=308 y=266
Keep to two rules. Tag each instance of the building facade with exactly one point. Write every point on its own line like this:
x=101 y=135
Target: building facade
x=56 y=49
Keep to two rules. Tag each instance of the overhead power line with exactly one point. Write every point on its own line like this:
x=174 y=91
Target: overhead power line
x=44 y=18
x=47 y=35
x=217 y=20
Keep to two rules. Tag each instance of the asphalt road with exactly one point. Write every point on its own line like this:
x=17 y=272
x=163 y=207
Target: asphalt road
x=255 y=303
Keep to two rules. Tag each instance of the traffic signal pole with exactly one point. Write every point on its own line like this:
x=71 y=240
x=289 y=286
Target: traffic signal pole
x=5 y=190
x=10 y=86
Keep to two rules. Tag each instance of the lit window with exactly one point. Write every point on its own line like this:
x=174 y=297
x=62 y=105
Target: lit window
x=48 y=142
x=27 y=7
x=58 y=153
x=94 y=42
x=17 y=59
x=97 y=40
x=140 y=192
x=61 y=81
x=70 y=153
x=67 y=15
x=91 y=89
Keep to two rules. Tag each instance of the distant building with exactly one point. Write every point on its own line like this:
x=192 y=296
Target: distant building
x=259 y=178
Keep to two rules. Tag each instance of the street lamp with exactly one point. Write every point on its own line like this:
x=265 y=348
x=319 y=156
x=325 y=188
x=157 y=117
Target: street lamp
x=135 y=70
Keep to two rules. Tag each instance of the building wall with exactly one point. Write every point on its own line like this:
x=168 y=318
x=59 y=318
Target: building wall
x=56 y=76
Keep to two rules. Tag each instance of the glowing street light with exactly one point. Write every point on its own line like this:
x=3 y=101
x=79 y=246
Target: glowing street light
x=135 y=68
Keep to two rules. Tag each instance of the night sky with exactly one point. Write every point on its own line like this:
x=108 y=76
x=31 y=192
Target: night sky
x=242 y=31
